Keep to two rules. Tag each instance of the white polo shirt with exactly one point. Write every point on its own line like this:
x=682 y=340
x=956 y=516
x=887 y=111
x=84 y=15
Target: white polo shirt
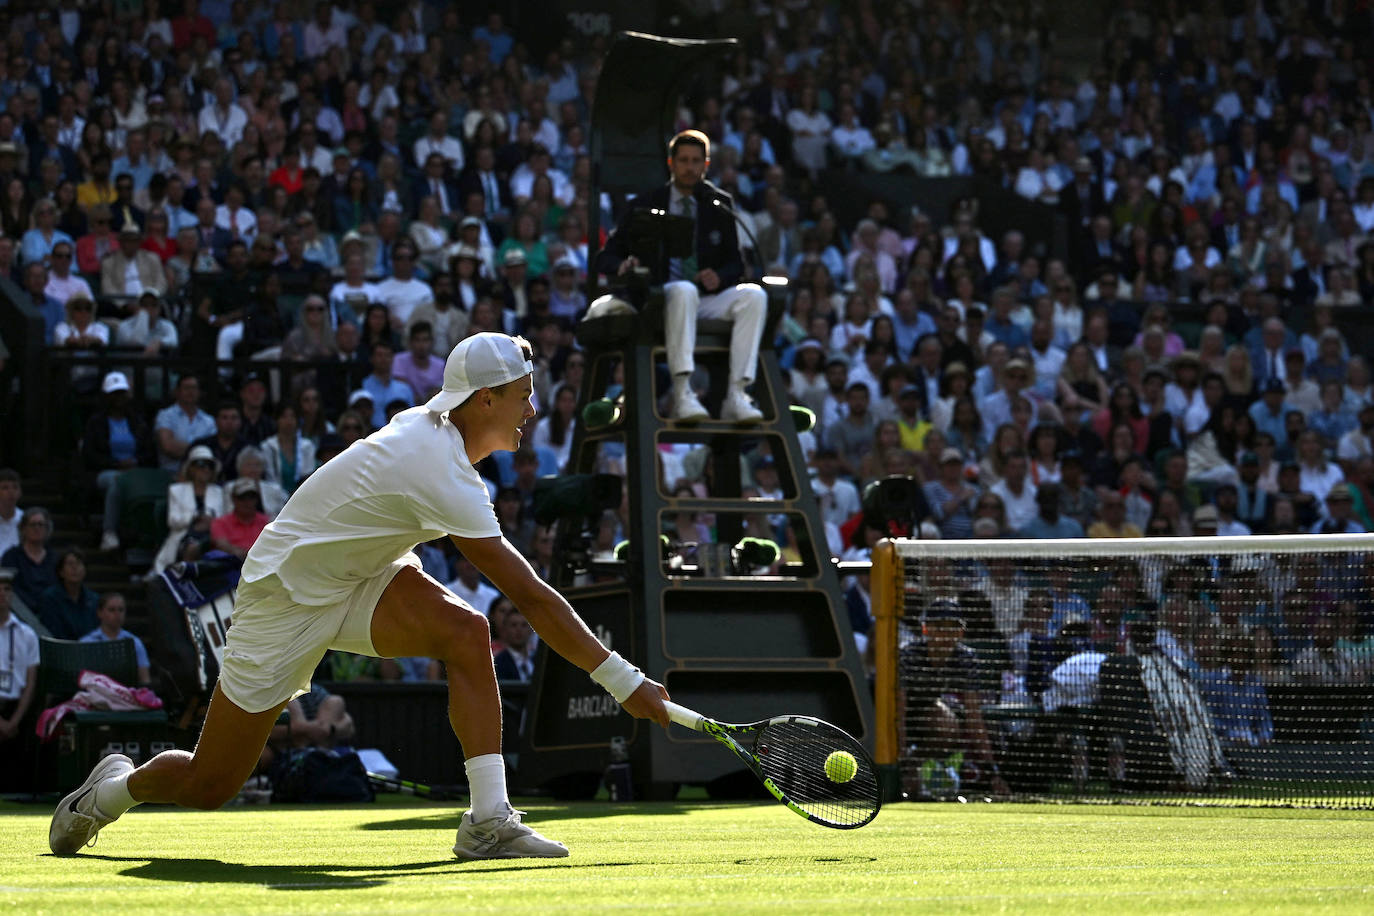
x=480 y=598
x=402 y=296
x=18 y=653
x=409 y=482
x=9 y=530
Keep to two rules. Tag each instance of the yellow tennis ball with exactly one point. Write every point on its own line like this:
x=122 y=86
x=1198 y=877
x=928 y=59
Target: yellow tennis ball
x=841 y=766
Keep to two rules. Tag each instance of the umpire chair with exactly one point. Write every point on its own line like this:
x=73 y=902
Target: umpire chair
x=738 y=645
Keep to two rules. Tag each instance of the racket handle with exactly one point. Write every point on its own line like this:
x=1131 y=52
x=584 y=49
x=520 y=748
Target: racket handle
x=684 y=716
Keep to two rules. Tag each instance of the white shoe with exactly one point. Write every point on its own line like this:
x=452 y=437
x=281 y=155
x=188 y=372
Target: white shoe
x=77 y=820
x=739 y=409
x=109 y=541
x=687 y=408
x=504 y=837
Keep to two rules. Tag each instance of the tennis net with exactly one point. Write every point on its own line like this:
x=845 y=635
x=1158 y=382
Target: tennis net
x=1166 y=670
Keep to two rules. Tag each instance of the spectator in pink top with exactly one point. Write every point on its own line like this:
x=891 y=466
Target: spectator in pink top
x=236 y=531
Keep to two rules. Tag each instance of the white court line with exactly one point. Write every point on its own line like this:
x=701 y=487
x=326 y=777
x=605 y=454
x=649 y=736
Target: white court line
x=905 y=899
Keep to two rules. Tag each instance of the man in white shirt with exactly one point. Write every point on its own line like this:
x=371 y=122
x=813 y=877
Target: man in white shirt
x=224 y=117
x=1353 y=446
x=1228 y=500
x=1047 y=357
x=1035 y=181
x=838 y=498
x=336 y=570
x=11 y=490
x=438 y=141
x=312 y=154
x=850 y=138
x=234 y=217
x=542 y=128
x=964 y=225
x=323 y=33
x=18 y=684
x=402 y=292
x=996 y=408
x=350 y=297
x=469 y=586
x=540 y=163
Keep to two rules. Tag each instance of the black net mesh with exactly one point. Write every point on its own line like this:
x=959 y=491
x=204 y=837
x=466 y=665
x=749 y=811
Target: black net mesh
x=793 y=752
x=1147 y=673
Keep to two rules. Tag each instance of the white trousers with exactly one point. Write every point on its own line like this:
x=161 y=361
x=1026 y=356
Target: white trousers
x=745 y=305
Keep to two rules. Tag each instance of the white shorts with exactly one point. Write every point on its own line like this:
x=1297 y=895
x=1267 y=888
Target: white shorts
x=274 y=644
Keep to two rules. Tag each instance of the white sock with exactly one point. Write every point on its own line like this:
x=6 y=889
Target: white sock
x=112 y=795
x=487 y=785
x=681 y=383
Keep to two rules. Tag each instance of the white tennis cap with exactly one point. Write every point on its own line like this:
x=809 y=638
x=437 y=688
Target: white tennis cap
x=483 y=360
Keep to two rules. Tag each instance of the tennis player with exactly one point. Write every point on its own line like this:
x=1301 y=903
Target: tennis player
x=335 y=571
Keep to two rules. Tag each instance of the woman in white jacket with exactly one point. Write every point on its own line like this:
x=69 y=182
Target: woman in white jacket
x=192 y=504
x=290 y=457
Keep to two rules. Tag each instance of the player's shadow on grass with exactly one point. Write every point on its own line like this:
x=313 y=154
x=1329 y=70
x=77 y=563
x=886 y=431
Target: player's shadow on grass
x=287 y=877
x=580 y=811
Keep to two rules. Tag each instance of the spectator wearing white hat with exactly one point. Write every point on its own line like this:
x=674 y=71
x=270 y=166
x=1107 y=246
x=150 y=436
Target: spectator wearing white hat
x=116 y=439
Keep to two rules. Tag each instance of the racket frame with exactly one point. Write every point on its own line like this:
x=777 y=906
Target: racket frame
x=724 y=732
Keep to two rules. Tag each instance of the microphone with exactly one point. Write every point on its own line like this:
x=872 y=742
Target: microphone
x=718 y=201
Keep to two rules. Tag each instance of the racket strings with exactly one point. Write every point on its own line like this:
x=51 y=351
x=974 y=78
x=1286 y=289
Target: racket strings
x=792 y=754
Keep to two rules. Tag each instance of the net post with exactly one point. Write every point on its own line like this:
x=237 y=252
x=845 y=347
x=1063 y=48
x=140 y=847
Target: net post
x=885 y=585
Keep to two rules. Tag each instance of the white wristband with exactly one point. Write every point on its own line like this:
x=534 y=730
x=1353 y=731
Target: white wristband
x=618 y=677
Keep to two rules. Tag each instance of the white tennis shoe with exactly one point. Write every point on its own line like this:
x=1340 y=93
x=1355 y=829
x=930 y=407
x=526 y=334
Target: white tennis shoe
x=687 y=408
x=504 y=837
x=77 y=820
x=737 y=408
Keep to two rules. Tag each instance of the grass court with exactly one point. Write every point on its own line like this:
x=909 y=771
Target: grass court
x=393 y=857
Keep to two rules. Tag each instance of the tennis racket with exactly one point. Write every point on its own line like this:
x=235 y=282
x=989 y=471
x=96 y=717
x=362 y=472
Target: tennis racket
x=788 y=753
x=381 y=783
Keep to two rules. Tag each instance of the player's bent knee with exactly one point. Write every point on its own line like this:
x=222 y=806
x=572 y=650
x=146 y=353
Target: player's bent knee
x=463 y=631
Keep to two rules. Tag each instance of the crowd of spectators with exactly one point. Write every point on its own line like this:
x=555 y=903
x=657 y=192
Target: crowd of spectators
x=355 y=188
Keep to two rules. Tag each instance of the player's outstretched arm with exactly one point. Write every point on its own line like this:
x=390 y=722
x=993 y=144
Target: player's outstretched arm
x=554 y=619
